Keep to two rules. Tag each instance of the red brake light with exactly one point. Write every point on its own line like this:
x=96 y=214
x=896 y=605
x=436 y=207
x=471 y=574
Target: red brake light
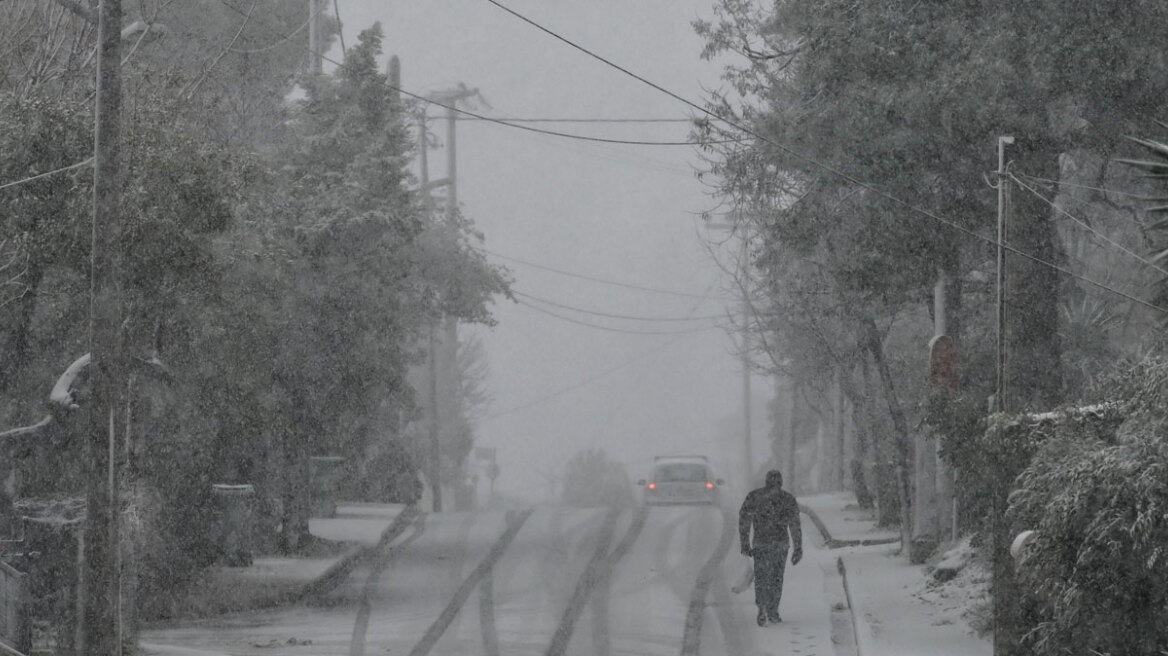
x=652 y=486
x=709 y=486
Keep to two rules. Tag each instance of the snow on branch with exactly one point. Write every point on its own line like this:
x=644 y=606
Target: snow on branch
x=26 y=431
x=62 y=394
x=81 y=10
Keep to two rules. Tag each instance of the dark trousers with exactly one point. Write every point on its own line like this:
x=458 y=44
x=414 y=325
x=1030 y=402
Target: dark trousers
x=770 y=563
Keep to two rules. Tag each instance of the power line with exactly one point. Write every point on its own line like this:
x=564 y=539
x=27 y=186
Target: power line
x=586 y=381
x=481 y=117
x=1088 y=226
x=820 y=165
x=1102 y=190
x=601 y=280
x=561 y=306
x=587 y=120
x=610 y=329
x=594 y=377
x=85 y=162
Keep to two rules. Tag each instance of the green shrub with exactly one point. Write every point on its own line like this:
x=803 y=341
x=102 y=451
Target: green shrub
x=1095 y=578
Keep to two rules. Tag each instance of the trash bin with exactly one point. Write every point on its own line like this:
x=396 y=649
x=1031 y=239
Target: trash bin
x=234 y=521
x=326 y=473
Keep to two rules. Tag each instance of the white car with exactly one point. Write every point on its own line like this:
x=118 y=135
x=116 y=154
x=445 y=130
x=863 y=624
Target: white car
x=680 y=479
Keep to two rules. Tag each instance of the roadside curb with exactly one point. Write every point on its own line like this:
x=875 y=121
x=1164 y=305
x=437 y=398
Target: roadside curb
x=833 y=543
x=860 y=629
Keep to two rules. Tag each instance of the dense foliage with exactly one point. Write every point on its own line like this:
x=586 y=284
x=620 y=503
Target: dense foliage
x=278 y=268
x=1093 y=579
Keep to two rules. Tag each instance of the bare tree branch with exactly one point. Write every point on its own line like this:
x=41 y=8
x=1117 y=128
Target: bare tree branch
x=27 y=431
x=80 y=10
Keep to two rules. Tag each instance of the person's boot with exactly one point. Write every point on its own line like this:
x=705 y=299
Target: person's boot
x=762 y=616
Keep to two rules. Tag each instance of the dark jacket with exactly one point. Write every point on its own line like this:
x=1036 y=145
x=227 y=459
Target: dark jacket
x=773 y=513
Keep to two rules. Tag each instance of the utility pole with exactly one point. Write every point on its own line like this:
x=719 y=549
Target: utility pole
x=316 y=64
x=1003 y=226
x=946 y=498
x=747 y=437
x=792 y=426
x=101 y=579
x=449 y=342
x=839 y=407
x=1005 y=606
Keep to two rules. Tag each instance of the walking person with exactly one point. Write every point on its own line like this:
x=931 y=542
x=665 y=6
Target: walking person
x=772 y=514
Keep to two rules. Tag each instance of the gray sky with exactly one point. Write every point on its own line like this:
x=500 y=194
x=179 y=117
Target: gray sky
x=622 y=213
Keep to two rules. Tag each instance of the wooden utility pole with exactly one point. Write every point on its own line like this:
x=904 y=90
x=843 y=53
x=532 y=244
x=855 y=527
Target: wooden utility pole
x=1000 y=392
x=316 y=63
x=101 y=579
x=444 y=348
x=1005 y=607
x=747 y=315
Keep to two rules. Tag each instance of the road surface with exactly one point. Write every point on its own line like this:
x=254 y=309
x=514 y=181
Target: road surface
x=553 y=581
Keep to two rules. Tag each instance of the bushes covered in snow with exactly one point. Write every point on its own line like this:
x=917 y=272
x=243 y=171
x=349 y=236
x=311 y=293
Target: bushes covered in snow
x=1094 y=579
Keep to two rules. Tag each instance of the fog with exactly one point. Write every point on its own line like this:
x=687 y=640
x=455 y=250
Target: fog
x=623 y=213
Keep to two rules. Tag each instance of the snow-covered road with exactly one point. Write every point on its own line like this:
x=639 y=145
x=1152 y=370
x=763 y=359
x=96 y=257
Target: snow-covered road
x=559 y=581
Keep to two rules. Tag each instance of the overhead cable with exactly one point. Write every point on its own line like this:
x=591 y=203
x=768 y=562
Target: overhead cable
x=1088 y=227
x=709 y=317
x=610 y=329
x=600 y=280
x=826 y=167
x=482 y=117
x=592 y=378
x=84 y=162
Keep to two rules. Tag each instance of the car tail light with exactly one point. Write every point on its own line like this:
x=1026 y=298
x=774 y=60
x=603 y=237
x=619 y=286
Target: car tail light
x=709 y=486
x=652 y=486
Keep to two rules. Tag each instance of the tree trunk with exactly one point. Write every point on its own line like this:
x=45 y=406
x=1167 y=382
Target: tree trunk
x=1033 y=380
x=900 y=424
x=860 y=402
x=297 y=500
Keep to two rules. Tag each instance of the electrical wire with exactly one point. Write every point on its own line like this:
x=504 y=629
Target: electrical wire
x=825 y=167
x=1102 y=190
x=84 y=162
x=593 y=378
x=624 y=331
x=481 y=117
x=1088 y=227
x=607 y=315
x=600 y=280
x=585 y=120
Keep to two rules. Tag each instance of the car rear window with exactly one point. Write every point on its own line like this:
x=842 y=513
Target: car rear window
x=681 y=472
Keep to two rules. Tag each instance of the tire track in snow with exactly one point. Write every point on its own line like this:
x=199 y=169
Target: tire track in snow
x=727 y=622
x=584 y=586
x=601 y=643
x=361 y=625
x=691 y=638
x=597 y=575
x=514 y=523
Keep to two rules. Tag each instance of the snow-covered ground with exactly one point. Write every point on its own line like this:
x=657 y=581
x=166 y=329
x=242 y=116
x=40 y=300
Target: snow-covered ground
x=562 y=585
x=898 y=608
